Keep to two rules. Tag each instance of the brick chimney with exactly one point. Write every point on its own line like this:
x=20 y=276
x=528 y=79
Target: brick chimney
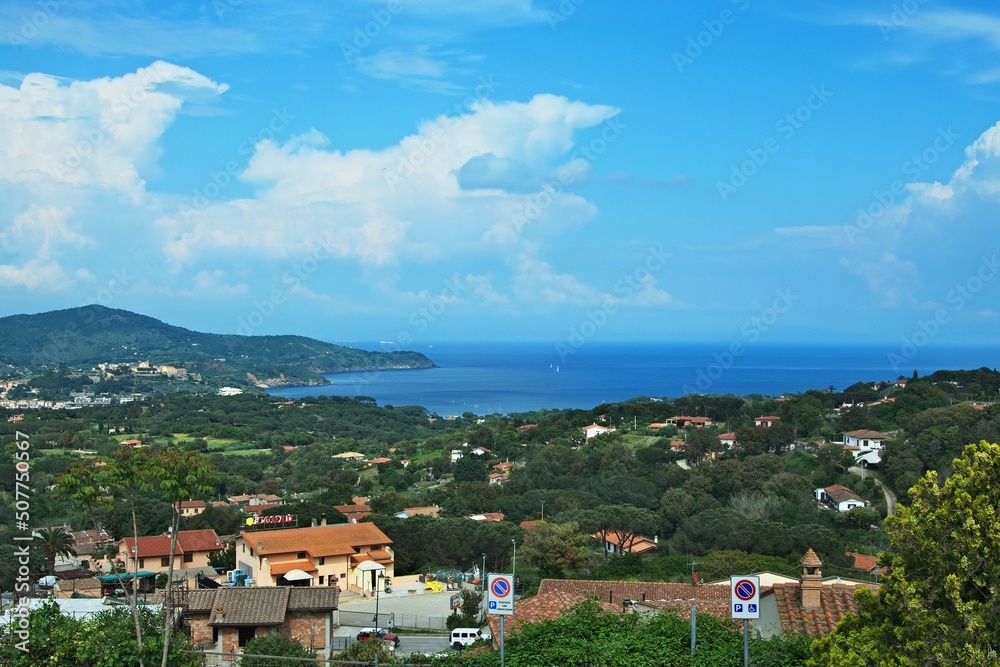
x=812 y=581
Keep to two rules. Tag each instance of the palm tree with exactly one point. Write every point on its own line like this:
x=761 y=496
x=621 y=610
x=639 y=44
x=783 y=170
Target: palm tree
x=56 y=542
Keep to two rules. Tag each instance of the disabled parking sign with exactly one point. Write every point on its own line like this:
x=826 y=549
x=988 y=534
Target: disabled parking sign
x=745 y=597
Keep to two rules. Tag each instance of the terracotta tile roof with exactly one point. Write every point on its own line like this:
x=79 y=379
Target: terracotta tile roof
x=336 y=540
x=836 y=601
x=261 y=606
x=267 y=605
x=865 y=562
x=380 y=556
x=353 y=509
x=840 y=494
x=541 y=607
x=190 y=503
x=188 y=541
x=868 y=434
x=199 y=601
x=640 y=544
x=713 y=600
x=288 y=566
x=313 y=598
x=426 y=510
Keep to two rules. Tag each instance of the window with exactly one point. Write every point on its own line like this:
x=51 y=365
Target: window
x=246 y=634
x=142 y=563
x=321 y=580
x=300 y=555
x=188 y=558
x=322 y=560
x=164 y=561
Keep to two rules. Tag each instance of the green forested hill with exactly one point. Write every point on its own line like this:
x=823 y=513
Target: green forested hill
x=95 y=334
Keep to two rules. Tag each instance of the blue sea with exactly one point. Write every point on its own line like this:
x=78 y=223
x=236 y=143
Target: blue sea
x=488 y=378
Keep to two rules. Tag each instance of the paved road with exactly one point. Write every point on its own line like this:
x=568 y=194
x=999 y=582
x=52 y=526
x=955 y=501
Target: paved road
x=428 y=644
x=890 y=496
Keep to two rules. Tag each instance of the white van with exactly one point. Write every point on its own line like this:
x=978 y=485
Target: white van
x=462 y=637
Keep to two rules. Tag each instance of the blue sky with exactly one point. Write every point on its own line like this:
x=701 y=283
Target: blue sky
x=428 y=170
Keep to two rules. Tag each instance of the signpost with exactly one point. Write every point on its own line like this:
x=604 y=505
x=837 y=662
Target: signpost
x=500 y=600
x=500 y=594
x=745 y=606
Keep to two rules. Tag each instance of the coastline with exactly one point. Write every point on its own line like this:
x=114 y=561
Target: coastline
x=488 y=378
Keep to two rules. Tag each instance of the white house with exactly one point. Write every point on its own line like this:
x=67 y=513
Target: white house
x=865 y=440
x=594 y=430
x=840 y=498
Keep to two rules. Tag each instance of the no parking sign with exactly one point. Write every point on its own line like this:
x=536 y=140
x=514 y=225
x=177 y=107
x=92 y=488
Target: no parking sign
x=500 y=594
x=745 y=597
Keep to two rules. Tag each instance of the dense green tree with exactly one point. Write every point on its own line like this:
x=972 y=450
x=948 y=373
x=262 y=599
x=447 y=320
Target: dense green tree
x=588 y=635
x=177 y=475
x=55 y=542
x=701 y=443
x=104 y=640
x=276 y=645
x=223 y=519
x=939 y=603
x=470 y=469
x=555 y=547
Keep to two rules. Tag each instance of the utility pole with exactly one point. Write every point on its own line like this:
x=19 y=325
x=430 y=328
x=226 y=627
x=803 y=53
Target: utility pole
x=513 y=568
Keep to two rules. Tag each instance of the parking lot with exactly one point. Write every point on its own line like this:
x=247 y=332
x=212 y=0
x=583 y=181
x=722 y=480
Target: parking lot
x=407 y=606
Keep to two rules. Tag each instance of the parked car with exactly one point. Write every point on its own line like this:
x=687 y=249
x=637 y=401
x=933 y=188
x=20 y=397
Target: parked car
x=368 y=633
x=462 y=637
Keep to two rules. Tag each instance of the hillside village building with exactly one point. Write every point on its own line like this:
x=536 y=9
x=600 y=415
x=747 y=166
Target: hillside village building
x=152 y=554
x=225 y=619
x=866 y=446
x=808 y=606
x=350 y=556
x=839 y=498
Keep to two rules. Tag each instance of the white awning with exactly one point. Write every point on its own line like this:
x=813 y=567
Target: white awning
x=297 y=575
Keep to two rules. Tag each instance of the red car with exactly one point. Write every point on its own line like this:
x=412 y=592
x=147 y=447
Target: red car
x=367 y=633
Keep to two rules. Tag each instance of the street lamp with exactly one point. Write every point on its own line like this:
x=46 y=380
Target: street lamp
x=377 y=581
x=513 y=566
